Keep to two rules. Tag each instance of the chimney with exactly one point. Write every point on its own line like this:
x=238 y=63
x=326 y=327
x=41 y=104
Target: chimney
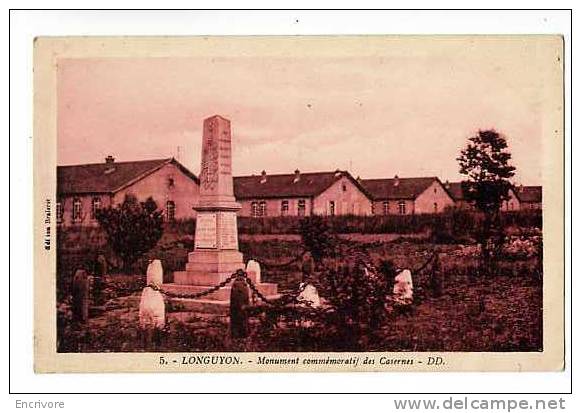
x=297 y=176
x=263 y=177
x=396 y=182
x=338 y=173
x=447 y=184
x=109 y=159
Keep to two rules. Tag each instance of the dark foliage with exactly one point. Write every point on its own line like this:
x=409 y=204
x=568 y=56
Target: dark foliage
x=358 y=293
x=318 y=238
x=132 y=228
x=463 y=222
x=486 y=163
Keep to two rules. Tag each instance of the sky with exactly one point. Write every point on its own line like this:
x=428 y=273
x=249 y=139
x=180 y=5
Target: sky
x=405 y=114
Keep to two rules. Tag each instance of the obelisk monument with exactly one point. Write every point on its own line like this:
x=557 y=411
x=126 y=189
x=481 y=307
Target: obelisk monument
x=215 y=256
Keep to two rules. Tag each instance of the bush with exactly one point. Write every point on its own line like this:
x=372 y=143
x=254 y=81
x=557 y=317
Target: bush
x=358 y=293
x=318 y=238
x=132 y=228
x=181 y=227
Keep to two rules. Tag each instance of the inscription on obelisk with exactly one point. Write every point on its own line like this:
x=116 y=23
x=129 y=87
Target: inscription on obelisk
x=216 y=188
x=206 y=230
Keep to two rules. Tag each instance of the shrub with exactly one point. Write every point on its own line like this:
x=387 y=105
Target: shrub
x=318 y=238
x=358 y=293
x=132 y=228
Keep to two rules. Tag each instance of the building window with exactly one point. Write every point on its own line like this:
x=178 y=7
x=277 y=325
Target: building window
x=59 y=212
x=401 y=207
x=170 y=211
x=95 y=206
x=284 y=208
x=344 y=188
x=170 y=182
x=435 y=207
x=331 y=208
x=254 y=209
x=372 y=208
x=262 y=208
x=385 y=207
x=301 y=208
x=77 y=210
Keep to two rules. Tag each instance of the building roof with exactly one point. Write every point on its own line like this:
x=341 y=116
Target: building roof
x=109 y=177
x=397 y=188
x=523 y=193
x=530 y=193
x=455 y=190
x=284 y=185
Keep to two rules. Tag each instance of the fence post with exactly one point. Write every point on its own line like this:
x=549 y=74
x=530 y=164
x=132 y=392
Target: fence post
x=436 y=279
x=81 y=297
x=239 y=300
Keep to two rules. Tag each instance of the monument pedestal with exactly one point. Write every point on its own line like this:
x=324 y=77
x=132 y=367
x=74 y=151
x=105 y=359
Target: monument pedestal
x=209 y=267
x=215 y=256
x=204 y=270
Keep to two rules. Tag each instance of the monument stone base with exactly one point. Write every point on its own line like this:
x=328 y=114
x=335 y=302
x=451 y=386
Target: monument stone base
x=204 y=270
x=209 y=267
x=217 y=303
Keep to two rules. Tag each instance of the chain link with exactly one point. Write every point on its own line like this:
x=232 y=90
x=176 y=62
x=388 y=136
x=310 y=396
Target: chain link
x=289 y=298
x=424 y=265
x=267 y=265
x=281 y=302
x=242 y=275
x=236 y=274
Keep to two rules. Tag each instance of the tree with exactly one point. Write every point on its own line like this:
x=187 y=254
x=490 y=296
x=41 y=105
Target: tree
x=132 y=228
x=486 y=162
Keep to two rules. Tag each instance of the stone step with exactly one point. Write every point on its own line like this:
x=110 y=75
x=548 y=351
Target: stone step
x=203 y=278
x=215 y=256
x=223 y=294
x=216 y=307
x=198 y=278
x=217 y=267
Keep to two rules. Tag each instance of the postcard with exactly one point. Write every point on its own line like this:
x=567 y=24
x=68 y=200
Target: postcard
x=299 y=203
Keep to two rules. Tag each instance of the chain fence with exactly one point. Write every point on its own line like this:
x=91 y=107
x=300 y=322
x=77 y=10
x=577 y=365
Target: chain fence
x=281 y=301
x=200 y=294
x=273 y=266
